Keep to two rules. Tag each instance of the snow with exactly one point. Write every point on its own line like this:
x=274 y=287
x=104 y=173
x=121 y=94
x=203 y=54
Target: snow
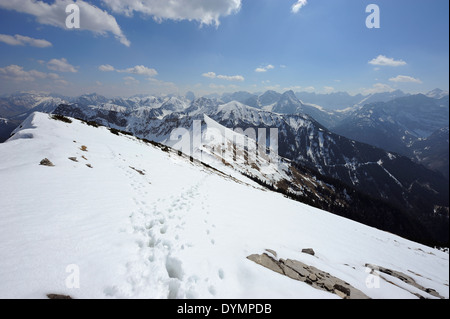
x=213 y=143
x=179 y=231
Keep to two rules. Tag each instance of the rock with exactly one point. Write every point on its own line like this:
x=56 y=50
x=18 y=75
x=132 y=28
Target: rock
x=341 y=289
x=267 y=261
x=74 y=159
x=432 y=292
x=46 y=162
x=137 y=170
x=273 y=252
x=328 y=285
x=357 y=294
x=255 y=258
x=298 y=267
x=56 y=296
x=290 y=272
x=405 y=278
x=340 y=294
x=312 y=277
x=309 y=251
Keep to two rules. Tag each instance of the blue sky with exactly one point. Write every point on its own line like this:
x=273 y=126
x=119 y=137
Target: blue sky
x=223 y=45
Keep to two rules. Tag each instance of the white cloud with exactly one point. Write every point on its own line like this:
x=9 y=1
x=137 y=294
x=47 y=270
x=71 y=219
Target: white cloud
x=129 y=80
x=265 y=68
x=405 y=79
x=24 y=40
x=106 y=68
x=92 y=18
x=309 y=89
x=298 y=5
x=238 y=78
x=61 y=65
x=140 y=70
x=18 y=74
x=378 y=88
x=212 y=75
x=204 y=11
x=382 y=60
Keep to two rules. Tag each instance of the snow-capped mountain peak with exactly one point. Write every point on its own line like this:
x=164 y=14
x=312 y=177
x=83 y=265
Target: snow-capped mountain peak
x=437 y=94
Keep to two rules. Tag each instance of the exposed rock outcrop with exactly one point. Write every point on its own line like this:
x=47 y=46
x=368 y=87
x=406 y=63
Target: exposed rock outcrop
x=57 y=296
x=405 y=278
x=308 y=274
x=46 y=162
x=309 y=251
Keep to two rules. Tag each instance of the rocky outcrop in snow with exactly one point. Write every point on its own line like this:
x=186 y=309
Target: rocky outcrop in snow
x=310 y=275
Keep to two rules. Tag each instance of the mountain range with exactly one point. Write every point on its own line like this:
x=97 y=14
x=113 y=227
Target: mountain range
x=396 y=175
x=404 y=126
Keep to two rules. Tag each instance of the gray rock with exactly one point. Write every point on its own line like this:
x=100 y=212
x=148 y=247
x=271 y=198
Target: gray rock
x=267 y=261
x=312 y=277
x=328 y=285
x=309 y=251
x=58 y=296
x=405 y=278
x=432 y=292
x=299 y=267
x=290 y=272
x=357 y=294
x=342 y=289
x=340 y=294
x=46 y=162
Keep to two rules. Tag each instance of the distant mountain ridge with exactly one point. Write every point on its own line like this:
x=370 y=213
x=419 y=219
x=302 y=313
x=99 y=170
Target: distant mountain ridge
x=402 y=125
x=17 y=106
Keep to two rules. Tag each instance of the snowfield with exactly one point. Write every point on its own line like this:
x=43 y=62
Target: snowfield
x=139 y=222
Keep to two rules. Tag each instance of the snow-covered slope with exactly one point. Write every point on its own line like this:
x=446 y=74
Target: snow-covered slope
x=135 y=221
x=380 y=174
